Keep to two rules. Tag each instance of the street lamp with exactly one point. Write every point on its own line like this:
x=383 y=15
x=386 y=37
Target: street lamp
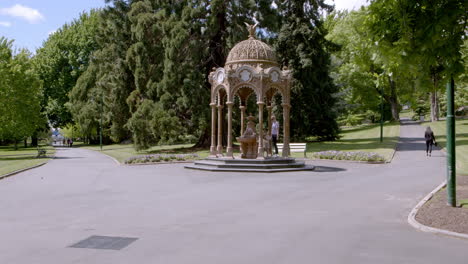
x=451 y=158
x=100 y=123
x=381 y=114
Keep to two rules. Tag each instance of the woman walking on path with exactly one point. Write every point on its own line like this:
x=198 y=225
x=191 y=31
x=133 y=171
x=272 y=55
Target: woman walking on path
x=430 y=140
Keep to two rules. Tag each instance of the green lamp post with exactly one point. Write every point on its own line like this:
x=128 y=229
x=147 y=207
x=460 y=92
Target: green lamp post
x=451 y=160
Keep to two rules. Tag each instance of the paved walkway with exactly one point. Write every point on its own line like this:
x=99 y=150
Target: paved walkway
x=342 y=213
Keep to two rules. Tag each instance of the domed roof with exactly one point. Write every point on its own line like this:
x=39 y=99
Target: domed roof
x=251 y=50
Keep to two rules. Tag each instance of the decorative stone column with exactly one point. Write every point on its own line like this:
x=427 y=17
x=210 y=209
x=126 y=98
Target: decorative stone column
x=229 y=151
x=260 y=126
x=286 y=108
x=213 y=130
x=269 y=108
x=242 y=108
x=220 y=130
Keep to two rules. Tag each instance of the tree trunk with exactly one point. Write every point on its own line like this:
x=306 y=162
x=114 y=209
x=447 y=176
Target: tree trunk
x=393 y=100
x=204 y=139
x=34 y=140
x=434 y=106
x=16 y=144
x=434 y=99
x=25 y=142
x=395 y=112
x=217 y=58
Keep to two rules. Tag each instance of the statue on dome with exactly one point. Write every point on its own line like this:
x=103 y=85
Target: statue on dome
x=251 y=29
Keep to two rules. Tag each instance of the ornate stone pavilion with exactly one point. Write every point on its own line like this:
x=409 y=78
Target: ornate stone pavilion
x=251 y=69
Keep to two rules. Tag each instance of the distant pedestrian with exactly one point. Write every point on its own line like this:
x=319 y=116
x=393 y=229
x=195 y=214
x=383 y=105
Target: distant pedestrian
x=274 y=133
x=71 y=142
x=68 y=142
x=430 y=140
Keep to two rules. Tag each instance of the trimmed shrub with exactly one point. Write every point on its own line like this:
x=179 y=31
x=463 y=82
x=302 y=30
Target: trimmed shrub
x=351 y=155
x=160 y=157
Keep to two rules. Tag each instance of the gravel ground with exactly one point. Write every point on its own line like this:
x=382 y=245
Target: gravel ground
x=436 y=213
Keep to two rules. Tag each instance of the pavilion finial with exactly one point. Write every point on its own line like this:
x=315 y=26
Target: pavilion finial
x=251 y=29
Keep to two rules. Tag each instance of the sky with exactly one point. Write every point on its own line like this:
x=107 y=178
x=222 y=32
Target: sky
x=29 y=22
x=346 y=4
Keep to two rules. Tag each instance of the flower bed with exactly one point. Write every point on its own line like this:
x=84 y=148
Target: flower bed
x=351 y=155
x=153 y=158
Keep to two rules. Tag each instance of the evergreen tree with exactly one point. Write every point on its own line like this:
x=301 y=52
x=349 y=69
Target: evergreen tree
x=108 y=81
x=175 y=47
x=302 y=47
x=148 y=76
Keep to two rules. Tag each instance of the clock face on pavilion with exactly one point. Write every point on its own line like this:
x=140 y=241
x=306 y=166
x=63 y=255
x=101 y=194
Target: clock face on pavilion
x=245 y=75
x=220 y=77
x=274 y=76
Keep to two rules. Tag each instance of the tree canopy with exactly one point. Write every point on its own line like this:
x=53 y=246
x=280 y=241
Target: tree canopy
x=20 y=94
x=141 y=66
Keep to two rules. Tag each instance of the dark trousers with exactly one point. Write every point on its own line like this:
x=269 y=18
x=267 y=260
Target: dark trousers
x=274 y=138
x=428 y=146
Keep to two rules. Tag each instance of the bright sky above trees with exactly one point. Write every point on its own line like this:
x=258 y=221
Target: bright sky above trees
x=348 y=4
x=29 y=22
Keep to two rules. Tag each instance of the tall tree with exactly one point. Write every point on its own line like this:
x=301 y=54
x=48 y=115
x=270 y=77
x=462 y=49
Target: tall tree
x=302 y=47
x=175 y=47
x=64 y=56
x=427 y=34
x=353 y=68
x=108 y=81
x=20 y=94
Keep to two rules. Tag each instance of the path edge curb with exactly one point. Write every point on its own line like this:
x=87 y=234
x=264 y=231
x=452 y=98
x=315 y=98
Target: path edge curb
x=414 y=223
x=109 y=156
x=22 y=170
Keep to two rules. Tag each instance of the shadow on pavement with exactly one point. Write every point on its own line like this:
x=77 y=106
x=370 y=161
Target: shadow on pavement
x=58 y=157
x=412 y=147
x=328 y=169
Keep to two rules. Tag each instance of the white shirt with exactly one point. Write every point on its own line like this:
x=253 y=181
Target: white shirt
x=275 y=128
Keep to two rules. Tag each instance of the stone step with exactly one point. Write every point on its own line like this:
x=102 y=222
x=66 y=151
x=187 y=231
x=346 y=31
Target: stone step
x=219 y=164
x=235 y=169
x=277 y=160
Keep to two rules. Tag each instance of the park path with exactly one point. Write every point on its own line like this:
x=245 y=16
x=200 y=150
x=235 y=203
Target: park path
x=342 y=213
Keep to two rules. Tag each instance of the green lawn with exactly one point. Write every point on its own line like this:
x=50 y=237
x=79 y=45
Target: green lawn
x=461 y=141
x=12 y=160
x=123 y=151
x=364 y=138
x=407 y=114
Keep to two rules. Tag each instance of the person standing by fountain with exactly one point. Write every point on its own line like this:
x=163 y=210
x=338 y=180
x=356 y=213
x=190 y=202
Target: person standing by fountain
x=274 y=133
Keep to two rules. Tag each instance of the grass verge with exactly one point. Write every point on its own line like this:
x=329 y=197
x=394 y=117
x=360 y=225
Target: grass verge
x=121 y=152
x=363 y=138
x=13 y=160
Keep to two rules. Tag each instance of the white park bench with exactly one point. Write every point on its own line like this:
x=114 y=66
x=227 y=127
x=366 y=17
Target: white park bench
x=294 y=147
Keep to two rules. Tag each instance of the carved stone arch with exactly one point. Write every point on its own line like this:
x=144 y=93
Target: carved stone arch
x=245 y=85
x=272 y=88
x=244 y=93
x=215 y=93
